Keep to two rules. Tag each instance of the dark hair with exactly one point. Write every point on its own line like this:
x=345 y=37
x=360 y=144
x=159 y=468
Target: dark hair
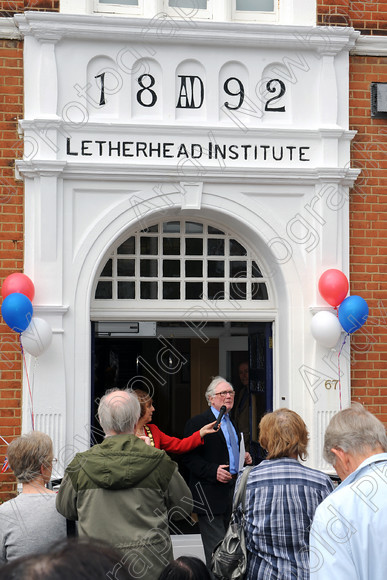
x=75 y=559
x=185 y=568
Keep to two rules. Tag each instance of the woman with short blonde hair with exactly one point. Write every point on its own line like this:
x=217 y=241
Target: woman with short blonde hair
x=282 y=495
x=283 y=434
x=29 y=523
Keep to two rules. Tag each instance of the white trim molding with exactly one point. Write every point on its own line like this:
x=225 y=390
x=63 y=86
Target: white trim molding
x=9 y=29
x=370 y=46
x=52 y=25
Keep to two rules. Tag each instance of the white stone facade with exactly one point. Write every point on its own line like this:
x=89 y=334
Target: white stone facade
x=244 y=125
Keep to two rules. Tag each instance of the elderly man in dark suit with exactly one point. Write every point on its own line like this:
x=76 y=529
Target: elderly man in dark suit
x=214 y=466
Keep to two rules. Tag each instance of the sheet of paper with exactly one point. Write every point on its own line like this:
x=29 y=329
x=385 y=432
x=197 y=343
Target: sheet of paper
x=242 y=452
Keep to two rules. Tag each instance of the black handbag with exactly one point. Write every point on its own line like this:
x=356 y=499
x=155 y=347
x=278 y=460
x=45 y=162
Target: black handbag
x=229 y=558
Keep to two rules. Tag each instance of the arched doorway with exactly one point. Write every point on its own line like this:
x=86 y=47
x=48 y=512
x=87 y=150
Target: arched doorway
x=194 y=265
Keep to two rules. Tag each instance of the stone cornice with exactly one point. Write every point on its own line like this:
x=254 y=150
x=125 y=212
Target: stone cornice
x=9 y=30
x=113 y=172
x=55 y=26
x=370 y=46
x=39 y=168
x=37 y=125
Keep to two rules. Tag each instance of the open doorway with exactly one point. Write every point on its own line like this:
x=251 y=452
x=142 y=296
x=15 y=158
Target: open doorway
x=176 y=361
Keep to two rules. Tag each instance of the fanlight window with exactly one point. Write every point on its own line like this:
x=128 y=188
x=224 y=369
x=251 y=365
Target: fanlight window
x=181 y=260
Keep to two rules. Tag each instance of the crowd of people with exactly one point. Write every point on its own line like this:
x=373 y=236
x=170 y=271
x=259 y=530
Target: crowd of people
x=123 y=492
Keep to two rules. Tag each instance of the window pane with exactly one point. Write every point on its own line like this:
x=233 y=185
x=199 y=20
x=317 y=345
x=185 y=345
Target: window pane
x=104 y=291
x=125 y=290
x=151 y=230
x=194 y=290
x=149 y=290
x=125 y=267
x=192 y=253
x=215 y=269
x=212 y=230
x=198 y=4
x=128 y=247
x=171 y=228
x=123 y=2
x=107 y=269
x=216 y=290
x=237 y=291
x=171 y=290
x=256 y=271
x=215 y=247
x=171 y=246
x=148 y=268
x=259 y=292
x=255 y=5
x=149 y=246
x=238 y=269
x=171 y=268
x=236 y=249
x=194 y=246
x=193 y=228
x=194 y=268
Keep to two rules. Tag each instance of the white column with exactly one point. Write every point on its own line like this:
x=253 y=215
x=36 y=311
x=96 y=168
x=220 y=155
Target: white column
x=48 y=79
x=328 y=91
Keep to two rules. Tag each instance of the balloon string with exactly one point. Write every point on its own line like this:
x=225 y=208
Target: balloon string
x=5 y=463
x=29 y=387
x=338 y=364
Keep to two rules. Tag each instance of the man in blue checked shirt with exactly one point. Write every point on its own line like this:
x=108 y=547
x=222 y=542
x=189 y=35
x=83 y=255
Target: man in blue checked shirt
x=349 y=531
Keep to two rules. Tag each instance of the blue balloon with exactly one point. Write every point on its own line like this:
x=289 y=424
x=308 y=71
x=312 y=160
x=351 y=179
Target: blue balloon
x=17 y=311
x=353 y=312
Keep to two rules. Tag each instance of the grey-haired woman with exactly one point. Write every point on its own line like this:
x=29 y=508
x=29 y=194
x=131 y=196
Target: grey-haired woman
x=29 y=523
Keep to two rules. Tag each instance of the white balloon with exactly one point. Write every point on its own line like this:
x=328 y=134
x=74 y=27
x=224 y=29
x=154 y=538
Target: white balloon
x=326 y=328
x=37 y=337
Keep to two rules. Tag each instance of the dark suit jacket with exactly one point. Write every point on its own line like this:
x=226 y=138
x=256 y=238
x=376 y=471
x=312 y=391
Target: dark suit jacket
x=203 y=463
x=241 y=414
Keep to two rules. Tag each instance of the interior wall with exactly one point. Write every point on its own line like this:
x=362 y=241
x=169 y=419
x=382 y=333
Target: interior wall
x=204 y=366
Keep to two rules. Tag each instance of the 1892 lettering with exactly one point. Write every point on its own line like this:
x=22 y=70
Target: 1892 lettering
x=191 y=92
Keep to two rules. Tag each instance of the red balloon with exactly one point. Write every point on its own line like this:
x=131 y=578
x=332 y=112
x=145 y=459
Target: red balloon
x=333 y=286
x=20 y=283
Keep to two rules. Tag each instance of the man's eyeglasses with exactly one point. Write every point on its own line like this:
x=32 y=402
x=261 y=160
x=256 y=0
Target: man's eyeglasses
x=223 y=394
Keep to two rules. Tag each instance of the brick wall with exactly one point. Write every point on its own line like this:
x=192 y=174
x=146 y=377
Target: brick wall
x=11 y=241
x=11 y=225
x=368 y=238
x=11 y=7
x=368 y=17
x=368 y=203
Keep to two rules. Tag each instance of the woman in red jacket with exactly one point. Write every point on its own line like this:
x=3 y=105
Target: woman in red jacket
x=158 y=438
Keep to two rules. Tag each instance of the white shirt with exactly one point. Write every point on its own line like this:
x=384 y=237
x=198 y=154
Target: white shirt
x=348 y=538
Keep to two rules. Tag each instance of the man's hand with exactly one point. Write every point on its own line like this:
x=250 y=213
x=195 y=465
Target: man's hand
x=222 y=474
x=207 y=429
x=248 y=459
